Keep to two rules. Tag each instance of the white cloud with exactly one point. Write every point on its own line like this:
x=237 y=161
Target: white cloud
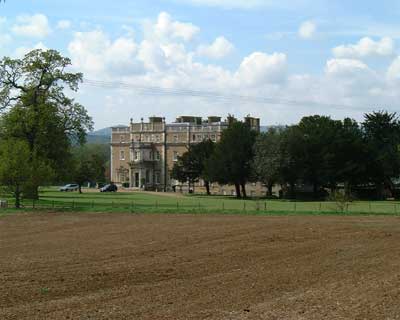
x=35 y=26
x=260 y=68
x=5 y=38
x=94 y=53
x=21 y=51
x=366 y=47
x=307 y=30
x=393 y=72
x=166 y=28
x=245 y=4
x=64 y=24
x=219 y=49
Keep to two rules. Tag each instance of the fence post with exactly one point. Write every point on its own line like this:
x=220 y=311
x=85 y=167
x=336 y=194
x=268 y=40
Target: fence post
x=265 y=205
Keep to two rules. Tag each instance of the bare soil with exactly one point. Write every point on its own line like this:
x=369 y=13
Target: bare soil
x=115 y=266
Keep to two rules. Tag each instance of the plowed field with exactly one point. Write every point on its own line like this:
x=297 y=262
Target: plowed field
x=115 y=266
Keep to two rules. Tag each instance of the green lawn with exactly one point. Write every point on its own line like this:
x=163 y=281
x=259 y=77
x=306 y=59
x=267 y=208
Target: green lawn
x=141 y=202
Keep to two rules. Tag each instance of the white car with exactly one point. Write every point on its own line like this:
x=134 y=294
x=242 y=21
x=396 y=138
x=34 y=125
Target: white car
x=70 y=187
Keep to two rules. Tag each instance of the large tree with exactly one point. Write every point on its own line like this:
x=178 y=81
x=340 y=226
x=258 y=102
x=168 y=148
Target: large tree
x=267 y=158
x=37 y=110
x=232 y=160
x=382 y=137
x=191 y=166
x=16 y=173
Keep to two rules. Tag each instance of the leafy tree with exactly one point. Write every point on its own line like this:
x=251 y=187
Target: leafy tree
x=16 y=173
x=349 y=157
x=267 y=158
x=232 y=160
x=37 y=111
x=317 y=136
x=191 y=166
x=382 y=137
x=89 y=164
x=184 y=169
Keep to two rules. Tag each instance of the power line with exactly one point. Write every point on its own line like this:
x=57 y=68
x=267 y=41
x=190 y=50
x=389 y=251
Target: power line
x=160 y=91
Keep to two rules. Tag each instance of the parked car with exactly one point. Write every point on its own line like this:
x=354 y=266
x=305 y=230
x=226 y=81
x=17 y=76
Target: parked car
x=109 y=188
x=70 y=187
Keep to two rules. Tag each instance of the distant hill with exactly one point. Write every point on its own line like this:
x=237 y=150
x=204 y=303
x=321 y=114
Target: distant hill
x=101 y=136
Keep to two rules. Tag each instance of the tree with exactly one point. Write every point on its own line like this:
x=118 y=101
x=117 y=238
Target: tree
x=382 y=137
x=267 y=158
x=37 y=111
x=89 y=164
x=232 y=160
x=191 y=166
x=16 y=172
x=317 y=135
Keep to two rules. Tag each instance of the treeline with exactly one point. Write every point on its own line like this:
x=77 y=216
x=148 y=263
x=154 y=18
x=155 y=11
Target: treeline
x=42 y=130
x=318 y=152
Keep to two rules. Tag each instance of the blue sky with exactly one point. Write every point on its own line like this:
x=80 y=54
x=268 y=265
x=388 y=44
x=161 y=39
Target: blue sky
x=338 y=58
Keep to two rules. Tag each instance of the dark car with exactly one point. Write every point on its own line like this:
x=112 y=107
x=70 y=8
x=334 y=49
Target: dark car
x=109 y=188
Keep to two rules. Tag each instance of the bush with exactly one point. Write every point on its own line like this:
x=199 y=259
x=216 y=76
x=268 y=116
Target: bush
x=125 y=185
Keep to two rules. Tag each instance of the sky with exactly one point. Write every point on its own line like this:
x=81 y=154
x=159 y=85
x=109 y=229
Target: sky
x=276 y=60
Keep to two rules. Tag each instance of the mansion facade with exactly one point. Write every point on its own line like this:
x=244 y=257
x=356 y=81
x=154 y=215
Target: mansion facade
x=144 y=153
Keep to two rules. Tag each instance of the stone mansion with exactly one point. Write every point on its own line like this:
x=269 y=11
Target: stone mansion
x=143 y=153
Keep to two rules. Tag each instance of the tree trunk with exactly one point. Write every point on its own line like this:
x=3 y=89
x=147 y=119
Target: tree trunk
x=237 y=187
x=292 y=191
x=244 y=190
x=379 y=190
x=17 y=197
x=269 y=189
x=315 y=190
x=80 y=188
x=347 y=189
x=207 y=185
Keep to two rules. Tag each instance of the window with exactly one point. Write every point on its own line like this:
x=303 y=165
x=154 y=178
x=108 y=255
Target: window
x=122 y=155
x=176 y=138
x=194 y=137
x=137 y=155
x=199 y=137
x=157 y=178
x=158 y=138
x=176 y=155
x=122 y=138
x=213 y=137
x=158 y=156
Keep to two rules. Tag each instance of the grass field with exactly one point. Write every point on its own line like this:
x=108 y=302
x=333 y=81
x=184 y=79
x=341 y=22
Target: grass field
x=141 y=202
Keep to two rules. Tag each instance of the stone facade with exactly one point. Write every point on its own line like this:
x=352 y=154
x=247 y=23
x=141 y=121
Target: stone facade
x=143 y=154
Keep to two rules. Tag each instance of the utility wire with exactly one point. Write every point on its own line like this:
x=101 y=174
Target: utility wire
x=160 y=91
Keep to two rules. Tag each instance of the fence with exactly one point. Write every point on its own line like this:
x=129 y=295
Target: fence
x=231 y=206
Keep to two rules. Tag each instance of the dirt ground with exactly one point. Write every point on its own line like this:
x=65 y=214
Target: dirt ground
x=113 y=266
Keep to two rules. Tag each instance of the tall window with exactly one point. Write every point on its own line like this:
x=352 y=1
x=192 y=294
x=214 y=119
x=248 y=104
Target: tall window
x=158 y=156
x=157 y=178
x=176 y=155
x=122 y=155
x=176 y=138
x=137 y=155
